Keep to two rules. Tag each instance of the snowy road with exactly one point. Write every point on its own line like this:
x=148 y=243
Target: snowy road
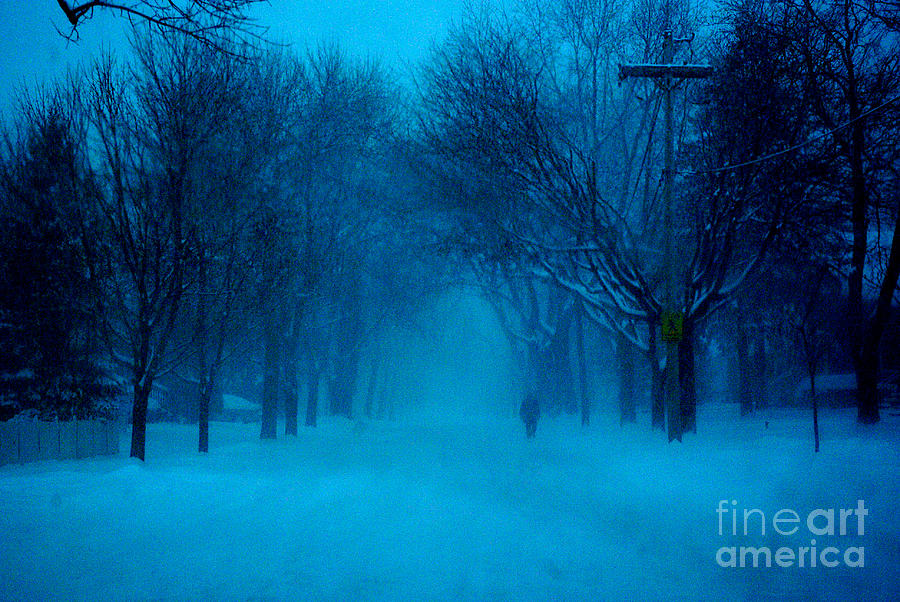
x=441 y=510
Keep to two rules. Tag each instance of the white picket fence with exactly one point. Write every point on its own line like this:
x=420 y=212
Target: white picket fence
x=24 y=441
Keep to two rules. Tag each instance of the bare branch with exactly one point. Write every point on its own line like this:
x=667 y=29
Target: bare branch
x=211 y=22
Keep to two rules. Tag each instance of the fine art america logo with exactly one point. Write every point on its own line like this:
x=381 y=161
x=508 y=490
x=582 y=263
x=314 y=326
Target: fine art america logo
x=830 y=524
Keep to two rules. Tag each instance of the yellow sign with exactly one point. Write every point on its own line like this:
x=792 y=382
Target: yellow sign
x=672 y=326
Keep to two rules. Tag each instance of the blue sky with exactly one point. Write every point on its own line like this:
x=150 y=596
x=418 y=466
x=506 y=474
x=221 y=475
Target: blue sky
x=399 y=32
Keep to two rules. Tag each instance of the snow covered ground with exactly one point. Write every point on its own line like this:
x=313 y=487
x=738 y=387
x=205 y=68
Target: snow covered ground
x=447 y=509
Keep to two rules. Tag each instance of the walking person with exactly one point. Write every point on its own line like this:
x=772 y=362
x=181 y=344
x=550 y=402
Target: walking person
x=530 y=412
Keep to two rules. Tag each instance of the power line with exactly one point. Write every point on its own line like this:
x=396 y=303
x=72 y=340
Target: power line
x=791 y=149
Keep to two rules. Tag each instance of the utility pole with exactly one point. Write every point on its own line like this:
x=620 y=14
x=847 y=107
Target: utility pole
x=672 y=318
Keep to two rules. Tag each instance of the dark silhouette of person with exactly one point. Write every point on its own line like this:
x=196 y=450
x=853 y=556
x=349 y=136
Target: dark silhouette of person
x=530 y=412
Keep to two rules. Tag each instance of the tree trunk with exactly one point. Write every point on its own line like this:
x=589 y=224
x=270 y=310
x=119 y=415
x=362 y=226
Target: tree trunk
x=582 y=368
x=867 y=362
x=674 y=417
x=216 y=401
x=533 y=373
x=139 y=417
x=351 y=382
x=204 y=393
x=745 y=389
x=203 y=414
x=312 y=393
x=657 y=392
x=760 y=379
x=271 y=380
x=561 y=367
x=333 y=394
x=627 y=405
x=373 y=383
x=866 y=371
x=686 y=379
x=815 y=406
x=291 y=394
x=867 y=388
x=342 y=387
x=381 y=394
x=210 y=389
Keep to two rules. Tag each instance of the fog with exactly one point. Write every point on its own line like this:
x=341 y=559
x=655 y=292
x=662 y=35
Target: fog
x=457 y=367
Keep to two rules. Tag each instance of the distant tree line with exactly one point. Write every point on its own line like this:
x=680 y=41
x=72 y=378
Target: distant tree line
x=191 y=209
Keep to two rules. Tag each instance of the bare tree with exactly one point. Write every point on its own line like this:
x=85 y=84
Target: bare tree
x=226 y=167
x=508 y=97
x=210 y=22
x=808 y=317
x=852 y=77
x=320 y=214
x=157 y=127
x=147 y=254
